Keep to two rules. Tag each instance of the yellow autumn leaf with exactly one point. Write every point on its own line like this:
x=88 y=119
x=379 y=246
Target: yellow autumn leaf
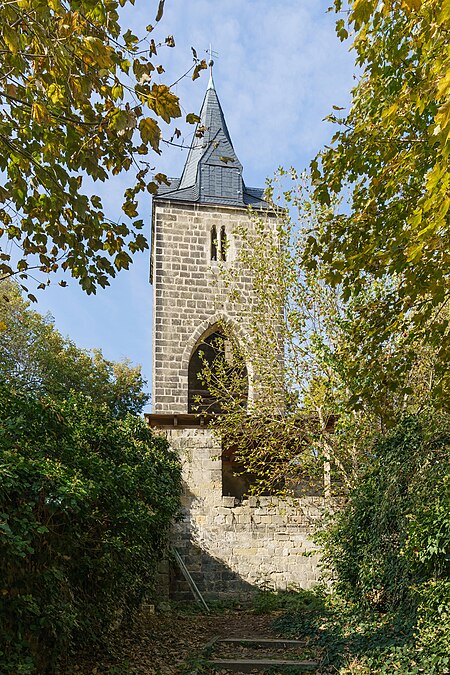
x=165 y=104
x=150 y=132
x=428 y=230
x=435 y=175
x=101 y=53
x=39 y=112
x=415 y=252
x=443 y=88
x=3 y=326
x=55 y=93
x=75 y=85
x=117 y=91
x=443 y=115
x=444 y=207
x=411 y=5
x=361 y=11
x=415 y=219
x=444 y=14
x=392 y=110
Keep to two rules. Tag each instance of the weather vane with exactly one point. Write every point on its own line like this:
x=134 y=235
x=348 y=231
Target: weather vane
x=212 y=55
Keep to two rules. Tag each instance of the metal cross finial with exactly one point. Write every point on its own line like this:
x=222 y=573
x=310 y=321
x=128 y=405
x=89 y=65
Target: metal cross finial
x=212 y=55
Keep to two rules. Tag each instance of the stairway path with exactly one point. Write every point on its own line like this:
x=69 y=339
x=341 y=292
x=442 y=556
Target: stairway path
x=259 y=655
x=174 y=644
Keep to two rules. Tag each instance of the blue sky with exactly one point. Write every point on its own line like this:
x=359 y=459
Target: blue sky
x=280 y=70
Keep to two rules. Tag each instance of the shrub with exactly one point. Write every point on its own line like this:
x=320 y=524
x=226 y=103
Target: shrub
x=433 y=624
x=86 y=501
x=389 y=547
x=394 y=531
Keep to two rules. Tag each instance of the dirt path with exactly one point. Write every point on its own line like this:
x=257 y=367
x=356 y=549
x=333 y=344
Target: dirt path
x=162 y=644
x=184 y=637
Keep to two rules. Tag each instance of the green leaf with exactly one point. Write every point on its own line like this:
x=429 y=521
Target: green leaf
x=130 y=209
x=11 y=38
x=361 y=11
x=117 y=91
x=161 y=178
x=55 y=93
x=130 y=39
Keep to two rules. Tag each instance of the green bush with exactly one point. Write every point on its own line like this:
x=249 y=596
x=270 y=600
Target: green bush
x=433 y=623
x=297 y=601
x=389 y=547
x=86 y=501
x=394 y=531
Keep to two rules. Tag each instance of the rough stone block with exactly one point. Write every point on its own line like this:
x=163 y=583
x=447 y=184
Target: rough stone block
x=228 y=502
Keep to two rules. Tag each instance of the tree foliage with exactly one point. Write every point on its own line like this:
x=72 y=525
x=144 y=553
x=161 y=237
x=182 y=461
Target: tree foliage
x=36 y=358
x=81 y=98
x=298 y=430
x=306 y=425
x=86 y=502
x=87 y=493
x=389 y=160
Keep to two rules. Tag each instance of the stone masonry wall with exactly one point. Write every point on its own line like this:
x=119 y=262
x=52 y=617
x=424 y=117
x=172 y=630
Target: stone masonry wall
x=234 y=548
x=189 y=296
x=229 y=547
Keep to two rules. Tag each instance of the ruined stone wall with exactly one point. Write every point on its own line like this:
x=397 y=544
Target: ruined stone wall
x=189 y=294
x=231 y=547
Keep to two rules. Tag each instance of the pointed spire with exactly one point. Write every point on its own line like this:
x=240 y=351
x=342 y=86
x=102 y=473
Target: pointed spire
x=212 y=173
x=212 y=166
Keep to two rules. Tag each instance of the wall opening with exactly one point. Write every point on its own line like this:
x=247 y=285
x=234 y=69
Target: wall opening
x=213 y=243
x=235 y=481
x=223 y=243
x=215 y=374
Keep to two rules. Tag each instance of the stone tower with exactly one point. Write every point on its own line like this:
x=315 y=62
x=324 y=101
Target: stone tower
x=194 y=219
x=229 y=543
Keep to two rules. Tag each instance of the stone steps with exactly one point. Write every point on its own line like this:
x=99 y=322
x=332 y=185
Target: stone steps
x=251 y=665
x=261 y=642
x=259 y=663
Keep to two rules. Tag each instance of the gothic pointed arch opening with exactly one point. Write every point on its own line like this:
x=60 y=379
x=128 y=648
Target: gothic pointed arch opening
x=217 y=373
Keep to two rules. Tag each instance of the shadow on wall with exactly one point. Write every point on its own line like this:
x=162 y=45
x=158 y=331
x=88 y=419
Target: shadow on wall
x=214 y=578
x=236 y=548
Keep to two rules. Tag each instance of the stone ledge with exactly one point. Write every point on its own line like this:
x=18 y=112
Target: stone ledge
x=181 y=420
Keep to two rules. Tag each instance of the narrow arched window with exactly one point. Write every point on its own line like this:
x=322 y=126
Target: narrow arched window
x=223 y=243
x=213 y=243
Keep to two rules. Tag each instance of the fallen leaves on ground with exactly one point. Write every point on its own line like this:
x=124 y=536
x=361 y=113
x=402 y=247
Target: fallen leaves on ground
x=160 y=644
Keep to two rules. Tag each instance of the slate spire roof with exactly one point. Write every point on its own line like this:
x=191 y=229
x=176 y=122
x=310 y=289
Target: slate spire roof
x=212 y=173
